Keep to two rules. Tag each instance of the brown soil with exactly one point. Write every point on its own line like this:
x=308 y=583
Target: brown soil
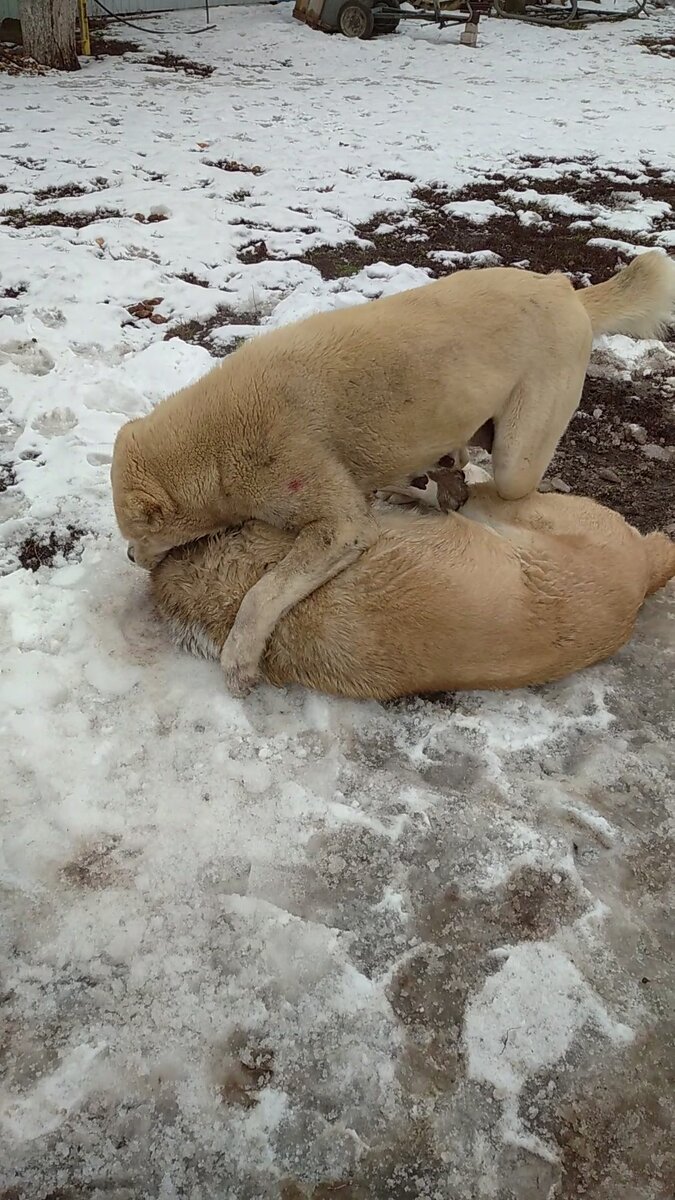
x=92 y=868
x=177 y=62
x=66 y=190
x=254 y=252
x=597 y=441
x=37 y=551
x=230 y=164
x=645 y=491
x=561 y=245
x=14 y=61
x=241 y=1084
x=102 y=47
x=198 y=332
x=664 y=46
x=190 y=277
x=60 y=193
x=21 y=218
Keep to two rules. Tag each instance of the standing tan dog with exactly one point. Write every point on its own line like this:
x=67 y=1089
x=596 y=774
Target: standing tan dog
x=297 y=426
x=505 y=594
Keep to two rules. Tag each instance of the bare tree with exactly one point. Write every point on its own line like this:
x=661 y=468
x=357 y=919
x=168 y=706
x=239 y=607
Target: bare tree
x=48 y=28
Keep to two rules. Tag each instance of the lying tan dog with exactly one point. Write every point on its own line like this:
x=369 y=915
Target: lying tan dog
x=299 y=425
x=506 y=594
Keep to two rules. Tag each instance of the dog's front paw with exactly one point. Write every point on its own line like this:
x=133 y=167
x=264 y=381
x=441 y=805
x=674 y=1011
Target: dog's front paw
x=241 y=675
x=451 y=488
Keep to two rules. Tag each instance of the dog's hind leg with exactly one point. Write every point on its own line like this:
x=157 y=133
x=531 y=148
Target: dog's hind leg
x=529 y=428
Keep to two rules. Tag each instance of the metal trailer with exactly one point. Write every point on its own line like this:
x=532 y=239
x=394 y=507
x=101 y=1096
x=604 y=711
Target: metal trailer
x=371 y=18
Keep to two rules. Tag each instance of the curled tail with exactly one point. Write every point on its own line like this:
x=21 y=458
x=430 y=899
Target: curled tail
x=638 y=301
x=660 y=551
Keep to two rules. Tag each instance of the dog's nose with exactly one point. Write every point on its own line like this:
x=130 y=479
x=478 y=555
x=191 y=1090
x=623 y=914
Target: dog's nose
x=130 y=554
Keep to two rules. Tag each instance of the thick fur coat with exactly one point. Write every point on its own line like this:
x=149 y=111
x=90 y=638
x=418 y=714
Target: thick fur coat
x=300 y=424
x=505 y=594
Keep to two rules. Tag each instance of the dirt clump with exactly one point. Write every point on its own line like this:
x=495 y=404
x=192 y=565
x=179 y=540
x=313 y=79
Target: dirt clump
x=38 y=550
x=178 y=62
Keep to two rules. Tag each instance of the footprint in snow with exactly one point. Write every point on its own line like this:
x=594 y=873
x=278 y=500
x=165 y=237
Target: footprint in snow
x=27 y=356
x=55 y=422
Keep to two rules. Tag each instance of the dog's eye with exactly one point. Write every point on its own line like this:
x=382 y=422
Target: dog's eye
x=448 y=460
x=420 y=482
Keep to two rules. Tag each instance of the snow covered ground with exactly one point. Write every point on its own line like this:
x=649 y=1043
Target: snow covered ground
x=291 y=947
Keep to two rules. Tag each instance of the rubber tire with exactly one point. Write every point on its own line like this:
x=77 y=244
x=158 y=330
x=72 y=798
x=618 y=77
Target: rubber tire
x=389 y=24
x=362 y=20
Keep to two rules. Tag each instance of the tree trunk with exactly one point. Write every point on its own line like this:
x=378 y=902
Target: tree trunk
x=49 y=32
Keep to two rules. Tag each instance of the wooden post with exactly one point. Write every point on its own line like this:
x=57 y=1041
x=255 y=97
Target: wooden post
x=85 y=39
x=477 y=9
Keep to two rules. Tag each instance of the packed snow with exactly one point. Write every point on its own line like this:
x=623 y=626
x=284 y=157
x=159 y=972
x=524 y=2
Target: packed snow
x=292 y=946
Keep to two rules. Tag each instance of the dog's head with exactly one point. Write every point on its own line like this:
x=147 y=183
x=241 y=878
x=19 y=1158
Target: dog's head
x=146 y=513
x=164 y=491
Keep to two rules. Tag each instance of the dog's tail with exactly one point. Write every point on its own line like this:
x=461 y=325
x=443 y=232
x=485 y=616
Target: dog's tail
x=639 y=301
x=660 y=550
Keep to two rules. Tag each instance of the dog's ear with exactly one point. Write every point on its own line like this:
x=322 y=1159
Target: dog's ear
x=149 y=510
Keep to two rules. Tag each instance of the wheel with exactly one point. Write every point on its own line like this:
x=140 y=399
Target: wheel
x=355 y=20
x=389 y=24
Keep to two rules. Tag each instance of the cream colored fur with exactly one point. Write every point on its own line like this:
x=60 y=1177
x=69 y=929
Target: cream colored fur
x=506 y=594
x=298 y=425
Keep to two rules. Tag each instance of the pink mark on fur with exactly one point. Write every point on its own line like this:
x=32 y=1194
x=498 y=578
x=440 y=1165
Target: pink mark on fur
x=296 y=485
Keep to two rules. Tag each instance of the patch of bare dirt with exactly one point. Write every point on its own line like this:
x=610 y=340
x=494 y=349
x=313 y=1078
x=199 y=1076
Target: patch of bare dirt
x=230 y=164
x=556 y=242
x=7 y=476
x=102 y=47
x=39 y=551
x=393 y=176
x=254 y=252
x=190 y=277
x=14 y=61
x=60 y=193
x=178 y=62
x=245 y=1071
x=458 y=933
x=199 y=332
x=66 y=190
x=663 y=46
x=612 y=1132
x=97 y=866
x=21 y=218
x=13 y=293
x=600 y=455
